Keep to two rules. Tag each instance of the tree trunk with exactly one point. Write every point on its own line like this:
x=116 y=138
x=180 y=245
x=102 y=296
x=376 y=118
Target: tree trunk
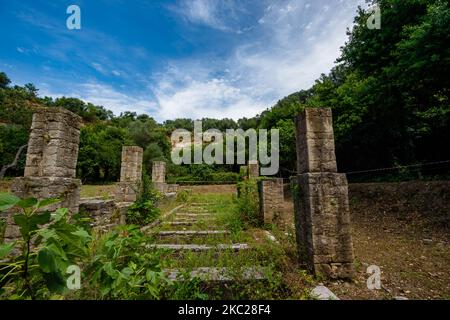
x=13 y=164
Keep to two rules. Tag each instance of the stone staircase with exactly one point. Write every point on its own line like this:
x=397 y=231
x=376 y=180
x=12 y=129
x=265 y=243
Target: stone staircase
x=194 y=230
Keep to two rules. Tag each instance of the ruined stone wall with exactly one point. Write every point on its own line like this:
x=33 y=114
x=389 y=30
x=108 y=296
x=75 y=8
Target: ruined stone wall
x=105 y=214
x=320 y=196
x=271 y=197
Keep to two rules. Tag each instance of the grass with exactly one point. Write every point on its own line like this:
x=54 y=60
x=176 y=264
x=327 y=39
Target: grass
x=263 y=253
x=104 y=191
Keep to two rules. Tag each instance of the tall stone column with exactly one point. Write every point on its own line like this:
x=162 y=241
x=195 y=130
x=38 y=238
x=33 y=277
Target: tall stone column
x=159 y=176
x=322 y=215
x=129 y=187
x=51 y=161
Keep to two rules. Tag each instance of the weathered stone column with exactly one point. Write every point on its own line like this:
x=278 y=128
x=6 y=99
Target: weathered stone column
x=271 y=198
x=159 y=176
x=51 y=161
x=129 y=187
x=253 y=169
x=322 y=215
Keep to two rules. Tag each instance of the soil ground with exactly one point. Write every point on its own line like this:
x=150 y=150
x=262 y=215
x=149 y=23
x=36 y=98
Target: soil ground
x=404 y=229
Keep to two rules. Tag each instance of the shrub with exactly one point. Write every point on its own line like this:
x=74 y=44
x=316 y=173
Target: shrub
x=144 y=210
x=48 y=246
x=248 y=202
x=121 y=268
x=183 y=196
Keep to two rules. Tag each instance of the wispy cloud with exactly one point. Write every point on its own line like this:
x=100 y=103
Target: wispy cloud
x=223 y=15
x=107 y=96
x=296 y=41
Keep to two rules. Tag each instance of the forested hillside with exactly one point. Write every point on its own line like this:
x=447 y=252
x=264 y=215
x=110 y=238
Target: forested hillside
x=389 y=92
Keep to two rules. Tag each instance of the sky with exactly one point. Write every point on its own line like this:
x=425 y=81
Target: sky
x=177 y=58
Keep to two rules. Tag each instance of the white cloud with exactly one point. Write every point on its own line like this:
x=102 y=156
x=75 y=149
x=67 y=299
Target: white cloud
x=107 y=96
x=213 y=98
x=296 y=42
x=223 y=15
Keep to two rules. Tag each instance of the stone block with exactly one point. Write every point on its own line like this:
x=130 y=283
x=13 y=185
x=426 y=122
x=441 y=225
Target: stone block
x=66 y=189
x=131 y=168
x=159 y=172
x=322 y=219
x=271 y=197
x=127 y=191
x=315 y=141
x=53 y=144
x=253 y=169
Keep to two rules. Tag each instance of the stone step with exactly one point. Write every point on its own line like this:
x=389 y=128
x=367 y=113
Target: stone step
x=189 y=219
x=216 y=274
x=180 y=224
x=193 y=215
x=199 y=248
x=192 y=233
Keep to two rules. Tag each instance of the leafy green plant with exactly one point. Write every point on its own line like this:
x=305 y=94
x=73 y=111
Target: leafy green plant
x=48 y=245
x=120 y=267
x=144 y=210
x=183 y=196
x=142 y=213
x=248 y=202
x=2 y=229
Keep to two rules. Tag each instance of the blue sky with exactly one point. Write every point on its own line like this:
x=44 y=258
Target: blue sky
x=178 y=58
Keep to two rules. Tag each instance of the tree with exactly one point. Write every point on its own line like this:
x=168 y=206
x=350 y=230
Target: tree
x=4 y=80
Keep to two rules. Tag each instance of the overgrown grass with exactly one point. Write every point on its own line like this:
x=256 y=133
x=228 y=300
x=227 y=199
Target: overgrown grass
x=284 y=278
x=2 y=229
x=105 y=191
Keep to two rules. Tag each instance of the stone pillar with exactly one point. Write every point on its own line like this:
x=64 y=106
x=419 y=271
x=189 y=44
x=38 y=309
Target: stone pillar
x=51 y=161
x=129 y=187
x=322 y=215
x=271 y=199
x=159 y=176
x=253 y=169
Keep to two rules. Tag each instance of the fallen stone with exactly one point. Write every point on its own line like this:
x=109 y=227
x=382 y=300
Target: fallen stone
x=193 y=233
x=323 y=293
x=216 y=274
x=271 y=237
x=199 y=248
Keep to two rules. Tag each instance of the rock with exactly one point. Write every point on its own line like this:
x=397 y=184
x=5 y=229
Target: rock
x=427 y=241
x=323 y=293
x=401 y=298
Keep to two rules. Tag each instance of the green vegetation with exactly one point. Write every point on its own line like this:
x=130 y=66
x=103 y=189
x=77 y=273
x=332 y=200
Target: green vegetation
x=118 y=265
x=389 y=93
x=144 y=211
x=248 y=202
x=49 y=245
